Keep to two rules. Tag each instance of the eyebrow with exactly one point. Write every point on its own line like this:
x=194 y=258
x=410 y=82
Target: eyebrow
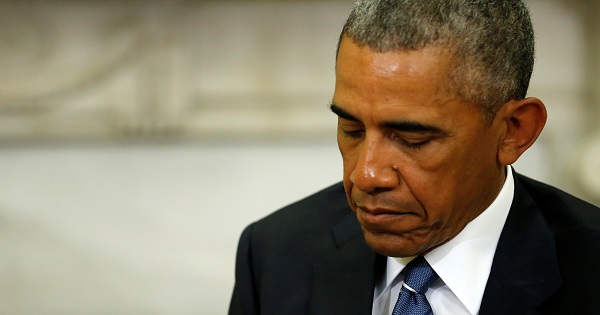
x=406 y=126
x=342 y=113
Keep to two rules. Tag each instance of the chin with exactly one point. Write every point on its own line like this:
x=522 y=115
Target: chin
x=393 y=245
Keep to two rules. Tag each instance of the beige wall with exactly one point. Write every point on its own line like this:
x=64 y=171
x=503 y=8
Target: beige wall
x=137 y=140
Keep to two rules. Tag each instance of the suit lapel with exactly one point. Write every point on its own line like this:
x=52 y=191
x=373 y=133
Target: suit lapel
x=525 y=270
x=344 y=283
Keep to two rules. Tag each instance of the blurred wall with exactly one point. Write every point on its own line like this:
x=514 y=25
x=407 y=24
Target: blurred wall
x=137 y=139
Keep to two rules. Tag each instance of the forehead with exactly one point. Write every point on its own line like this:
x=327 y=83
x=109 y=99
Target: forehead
x=431 y=62
x=417 y=81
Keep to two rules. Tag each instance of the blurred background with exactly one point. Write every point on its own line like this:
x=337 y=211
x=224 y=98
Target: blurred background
x=138 y=139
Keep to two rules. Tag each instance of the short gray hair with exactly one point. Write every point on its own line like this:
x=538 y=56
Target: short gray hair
x=492 y=41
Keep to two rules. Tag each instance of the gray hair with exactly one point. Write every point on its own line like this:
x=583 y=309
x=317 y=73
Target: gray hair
x=492 y=41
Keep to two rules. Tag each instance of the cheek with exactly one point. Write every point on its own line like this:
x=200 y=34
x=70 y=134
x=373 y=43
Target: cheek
x=451 y=193
x=435 y=189
x=349 y=163
x=348 y=169
x=430 y=190
x=348 y=158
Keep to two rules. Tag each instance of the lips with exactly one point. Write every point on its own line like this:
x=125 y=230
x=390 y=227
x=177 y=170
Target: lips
x=380 y=216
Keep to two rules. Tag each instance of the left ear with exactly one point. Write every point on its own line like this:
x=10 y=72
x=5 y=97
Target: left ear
x=523 y=121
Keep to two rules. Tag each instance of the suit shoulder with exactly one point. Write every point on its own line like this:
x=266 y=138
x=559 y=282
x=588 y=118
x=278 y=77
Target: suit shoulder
x=563 y=211
x=316 y=213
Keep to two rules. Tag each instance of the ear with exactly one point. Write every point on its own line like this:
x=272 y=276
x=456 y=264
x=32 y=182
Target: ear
x=523 y=121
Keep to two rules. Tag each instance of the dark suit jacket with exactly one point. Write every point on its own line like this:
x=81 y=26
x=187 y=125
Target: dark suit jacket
x=311 y=258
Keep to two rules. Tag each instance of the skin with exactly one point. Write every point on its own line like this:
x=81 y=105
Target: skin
x=419 y=163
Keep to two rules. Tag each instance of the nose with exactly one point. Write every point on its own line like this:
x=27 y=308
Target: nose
x=375 y=169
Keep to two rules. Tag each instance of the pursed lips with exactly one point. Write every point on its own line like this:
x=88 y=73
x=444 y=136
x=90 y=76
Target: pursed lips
x=378 y=215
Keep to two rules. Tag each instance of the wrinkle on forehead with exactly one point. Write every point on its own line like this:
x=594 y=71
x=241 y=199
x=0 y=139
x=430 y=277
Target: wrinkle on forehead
x=413 y=83
x=388 y=66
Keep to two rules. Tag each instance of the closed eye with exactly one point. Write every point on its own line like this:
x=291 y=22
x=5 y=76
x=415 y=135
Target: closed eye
x=413 y=141
x=353 y=134
x=414 y=145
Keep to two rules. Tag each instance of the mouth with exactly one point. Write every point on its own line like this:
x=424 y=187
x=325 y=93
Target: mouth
x=380 y=216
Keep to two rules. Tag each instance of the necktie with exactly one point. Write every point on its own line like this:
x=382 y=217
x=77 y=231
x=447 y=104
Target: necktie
x=418 y=277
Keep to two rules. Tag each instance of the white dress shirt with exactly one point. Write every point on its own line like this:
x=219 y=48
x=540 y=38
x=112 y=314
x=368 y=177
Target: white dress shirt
x=463 y=263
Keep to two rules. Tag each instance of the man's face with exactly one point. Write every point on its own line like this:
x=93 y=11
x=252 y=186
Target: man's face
x=419 y=164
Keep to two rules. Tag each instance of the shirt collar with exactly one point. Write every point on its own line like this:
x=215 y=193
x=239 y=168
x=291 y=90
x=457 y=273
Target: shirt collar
x=464 y=262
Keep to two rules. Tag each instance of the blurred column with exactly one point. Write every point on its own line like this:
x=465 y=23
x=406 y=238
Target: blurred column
x=588 y=172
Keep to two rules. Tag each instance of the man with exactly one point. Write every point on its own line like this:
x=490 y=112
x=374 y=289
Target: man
x=431 y=218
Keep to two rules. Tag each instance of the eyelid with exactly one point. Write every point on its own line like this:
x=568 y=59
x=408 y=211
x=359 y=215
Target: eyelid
x=353 y=134
x=418 y=145
x=412 y=142
x=414 y=137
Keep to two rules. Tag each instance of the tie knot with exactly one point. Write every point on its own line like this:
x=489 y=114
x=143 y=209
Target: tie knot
x=419 y=275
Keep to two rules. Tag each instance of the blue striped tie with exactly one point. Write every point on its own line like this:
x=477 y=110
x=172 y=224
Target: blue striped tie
x=418 y=277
